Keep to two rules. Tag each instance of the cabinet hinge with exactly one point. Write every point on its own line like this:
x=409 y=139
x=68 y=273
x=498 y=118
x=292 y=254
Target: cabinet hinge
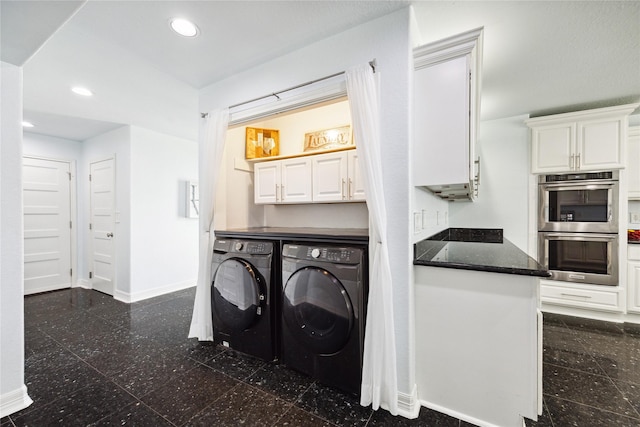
x=69 y=173
x=90 y=275
x=71 y=272
x=70 y=224
x=90 y=226
x=89 y=177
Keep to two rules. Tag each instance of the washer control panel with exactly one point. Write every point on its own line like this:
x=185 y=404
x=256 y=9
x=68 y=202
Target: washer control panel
x=243 y=247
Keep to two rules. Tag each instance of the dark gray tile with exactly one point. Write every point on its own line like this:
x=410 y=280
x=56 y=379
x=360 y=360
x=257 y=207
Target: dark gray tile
x=6 y=422
x=80 y=408
x=618 y=355
x=631 y=392
x=426 y=417
x=296 y=417
x=136 y=414
x=235 y=364
x=183 y=397
x=568 y=413
x=632 y=329
x=77 y=328
x=585 y=388
x=242 y=405
x=561 y=348
x=151 y=372
x=333 y=405
x=281 y=381
x=592 y=325
x=203 y=351
x=51 y=384
x=544 y=420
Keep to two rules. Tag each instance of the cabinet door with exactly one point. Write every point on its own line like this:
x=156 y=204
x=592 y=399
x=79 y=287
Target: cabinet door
x=266 y=182
x=633 y=287
x=330 y=177
x=441 y=123
x=296 y=180
x=355 y=185
x=600 y=144
x=552 y=148
x=633 y=163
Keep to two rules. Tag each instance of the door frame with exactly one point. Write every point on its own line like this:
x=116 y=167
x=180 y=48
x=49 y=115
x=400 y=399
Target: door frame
x=89 y=248
x=73 y=212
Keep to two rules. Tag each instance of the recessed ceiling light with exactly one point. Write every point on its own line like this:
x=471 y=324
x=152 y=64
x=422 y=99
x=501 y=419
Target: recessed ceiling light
x=83 y=91
x=26 y=124
x=184 y=27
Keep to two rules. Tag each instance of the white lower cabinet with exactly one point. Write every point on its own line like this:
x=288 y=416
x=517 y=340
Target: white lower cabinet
x=283 y=181
x=594 y=297
x=321 y=178
x=633 y=278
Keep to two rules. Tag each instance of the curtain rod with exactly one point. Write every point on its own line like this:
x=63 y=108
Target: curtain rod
x=372 y=64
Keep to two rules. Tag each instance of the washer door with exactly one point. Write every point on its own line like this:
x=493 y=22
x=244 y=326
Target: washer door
x=236 y=294
x=317 y=310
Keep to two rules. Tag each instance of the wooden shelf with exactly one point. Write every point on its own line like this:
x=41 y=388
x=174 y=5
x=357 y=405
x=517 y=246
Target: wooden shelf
x=305 y=154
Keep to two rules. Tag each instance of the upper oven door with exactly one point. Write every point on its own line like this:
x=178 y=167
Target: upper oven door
x=578 y=207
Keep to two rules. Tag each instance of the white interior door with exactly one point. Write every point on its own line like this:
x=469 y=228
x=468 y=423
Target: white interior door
x=102 y=225
x=47 y=224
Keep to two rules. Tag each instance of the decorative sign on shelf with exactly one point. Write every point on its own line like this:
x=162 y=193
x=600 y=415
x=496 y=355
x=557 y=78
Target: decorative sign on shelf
x=262 y=143
x=328 y=139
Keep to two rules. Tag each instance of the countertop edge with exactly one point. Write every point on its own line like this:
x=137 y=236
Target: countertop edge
x=485 y=268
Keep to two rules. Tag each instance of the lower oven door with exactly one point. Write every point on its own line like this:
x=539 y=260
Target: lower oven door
x=580 y=257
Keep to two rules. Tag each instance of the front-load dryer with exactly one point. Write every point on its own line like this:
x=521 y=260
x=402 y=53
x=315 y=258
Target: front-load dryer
x=244 y=296
x=323 y=312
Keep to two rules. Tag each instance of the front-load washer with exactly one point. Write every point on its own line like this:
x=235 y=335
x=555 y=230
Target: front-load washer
x=323 y=312
x=244 y=296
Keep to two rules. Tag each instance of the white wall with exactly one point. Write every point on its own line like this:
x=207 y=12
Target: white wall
x=503 y=201
x=387 y=40
x=51 y=147
x=116 y=143
x=13 y=392
x=164 y=243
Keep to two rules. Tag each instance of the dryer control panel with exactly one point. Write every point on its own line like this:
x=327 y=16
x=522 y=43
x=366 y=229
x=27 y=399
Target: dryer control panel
x=337 y=255
x=243 y=246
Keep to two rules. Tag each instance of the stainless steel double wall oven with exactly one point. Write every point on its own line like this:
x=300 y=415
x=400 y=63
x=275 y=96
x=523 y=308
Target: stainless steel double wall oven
x=578 y=226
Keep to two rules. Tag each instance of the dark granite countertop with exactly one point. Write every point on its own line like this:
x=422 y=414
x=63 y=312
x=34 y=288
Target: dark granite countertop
x=480 y=249
x=303 y=234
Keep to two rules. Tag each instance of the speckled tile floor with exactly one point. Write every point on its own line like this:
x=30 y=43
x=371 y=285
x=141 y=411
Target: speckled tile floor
x=91 y=360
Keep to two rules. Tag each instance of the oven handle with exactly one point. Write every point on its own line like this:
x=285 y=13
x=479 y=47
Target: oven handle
x=581 y=236
x=579 y=185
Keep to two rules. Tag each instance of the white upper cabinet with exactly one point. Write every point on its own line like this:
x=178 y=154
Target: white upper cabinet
x=283 y=181
x=330 y=177
x=582 y=141
x=336 y=177
x=319 y=178
x=446 y=108
x=633 y=163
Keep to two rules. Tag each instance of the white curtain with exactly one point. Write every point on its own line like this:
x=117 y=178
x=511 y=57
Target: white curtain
x=379 y=376
x=211 y=146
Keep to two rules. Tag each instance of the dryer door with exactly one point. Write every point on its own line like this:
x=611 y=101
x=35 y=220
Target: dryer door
x=317 y=310
x=236 y=295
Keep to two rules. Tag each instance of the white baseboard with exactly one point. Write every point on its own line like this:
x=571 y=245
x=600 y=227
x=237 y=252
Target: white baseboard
x=460 y=416
x=150 y=293
x=83 y=283
x=14 y=401
x=46 y=289
x=408 y=404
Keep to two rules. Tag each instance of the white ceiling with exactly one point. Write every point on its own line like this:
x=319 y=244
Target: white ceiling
x=539 y=57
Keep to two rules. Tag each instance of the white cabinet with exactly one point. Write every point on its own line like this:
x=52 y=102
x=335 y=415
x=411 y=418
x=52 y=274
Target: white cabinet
x=283 y=181
x=633 y=163
x=581 y=141
x=336 y=177
x=446 y=100
x=319 y=178
x=633 y=278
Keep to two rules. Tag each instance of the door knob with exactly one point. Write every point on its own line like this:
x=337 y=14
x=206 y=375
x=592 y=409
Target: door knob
x=109 y=234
